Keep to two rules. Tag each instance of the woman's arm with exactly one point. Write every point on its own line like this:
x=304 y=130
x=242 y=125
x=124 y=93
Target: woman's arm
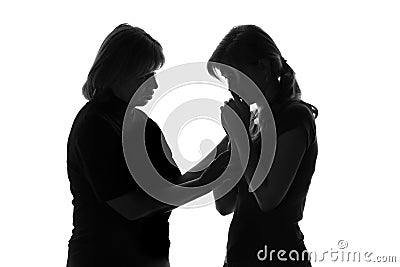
x=226 y=204
x=127 y=204
x=137 y=203
x=196 y=171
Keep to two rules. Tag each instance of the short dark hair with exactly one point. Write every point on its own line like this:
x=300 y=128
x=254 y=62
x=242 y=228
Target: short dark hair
x=126 y=51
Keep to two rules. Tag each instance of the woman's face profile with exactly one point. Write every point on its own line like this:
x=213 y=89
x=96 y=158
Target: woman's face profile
x=141 y=89
x=137 y=90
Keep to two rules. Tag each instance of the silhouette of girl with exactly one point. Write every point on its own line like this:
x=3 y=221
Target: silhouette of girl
x=267 y=219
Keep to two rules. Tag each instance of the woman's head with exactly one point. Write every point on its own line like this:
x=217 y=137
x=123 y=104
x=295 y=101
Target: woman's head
x=127 y=57
x=250 y=50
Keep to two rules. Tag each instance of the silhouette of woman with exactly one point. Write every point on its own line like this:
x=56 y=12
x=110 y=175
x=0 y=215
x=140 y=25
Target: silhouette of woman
x=266 y=220
x=115 y=222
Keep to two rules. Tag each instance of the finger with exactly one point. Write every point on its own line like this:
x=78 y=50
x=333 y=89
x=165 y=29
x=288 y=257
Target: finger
x=223 y=155
x=239 y=106
x=222 y=163
x=227 y=102
x=235 y=96
x=223 y=123
x=233 y=105
x=225 y=113
x=243 y=106
x=240 y=103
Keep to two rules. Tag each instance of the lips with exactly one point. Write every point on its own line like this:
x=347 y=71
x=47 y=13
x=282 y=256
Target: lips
x=148 y=92
x=148 y=96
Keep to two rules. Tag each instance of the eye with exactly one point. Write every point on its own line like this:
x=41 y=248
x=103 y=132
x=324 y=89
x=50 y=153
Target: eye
x=148 y=75
x=229 y=77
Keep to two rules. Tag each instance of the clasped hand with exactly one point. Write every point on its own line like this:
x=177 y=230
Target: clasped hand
x=235 y=117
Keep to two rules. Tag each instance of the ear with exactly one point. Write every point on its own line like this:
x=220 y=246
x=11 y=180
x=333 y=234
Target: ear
x=265 y=64
x=270 y=65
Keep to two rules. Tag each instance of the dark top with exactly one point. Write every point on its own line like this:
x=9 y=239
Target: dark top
x=97 y=173
x=251 y=228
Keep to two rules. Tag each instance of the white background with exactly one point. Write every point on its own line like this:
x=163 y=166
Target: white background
x=345 y=54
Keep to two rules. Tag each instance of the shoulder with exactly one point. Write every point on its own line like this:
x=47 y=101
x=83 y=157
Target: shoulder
x=137 y=123
x=296 y=113
x=137 y=117
x=90 y=120
x=91 y=131
x=298 y=110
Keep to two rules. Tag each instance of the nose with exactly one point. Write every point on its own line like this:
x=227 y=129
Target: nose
x=154 y=83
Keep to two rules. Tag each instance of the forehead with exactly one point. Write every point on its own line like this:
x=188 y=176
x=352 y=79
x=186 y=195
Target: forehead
x=241 y=70
x=229 y=70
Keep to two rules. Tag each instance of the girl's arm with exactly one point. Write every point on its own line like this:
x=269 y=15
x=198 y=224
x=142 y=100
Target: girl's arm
x=291 y=146
x=226 y=204
x=290 y=149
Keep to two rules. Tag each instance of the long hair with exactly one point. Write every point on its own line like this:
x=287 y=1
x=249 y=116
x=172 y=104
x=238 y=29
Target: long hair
x=126 y=51
x=248 y=44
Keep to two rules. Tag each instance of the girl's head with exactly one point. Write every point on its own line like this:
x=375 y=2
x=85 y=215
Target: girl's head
x=127 y=57
x=250 y=50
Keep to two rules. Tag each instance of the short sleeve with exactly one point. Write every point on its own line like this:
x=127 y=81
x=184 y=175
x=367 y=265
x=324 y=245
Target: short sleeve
x=295 y=116
x=160 y=153
x=99 y=148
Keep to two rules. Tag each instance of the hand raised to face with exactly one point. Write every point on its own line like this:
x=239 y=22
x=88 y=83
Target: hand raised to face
x=241 y=108
x=232 y=110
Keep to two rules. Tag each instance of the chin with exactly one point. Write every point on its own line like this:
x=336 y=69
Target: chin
x=138 y=101
x=137 y=104
x=142 y=103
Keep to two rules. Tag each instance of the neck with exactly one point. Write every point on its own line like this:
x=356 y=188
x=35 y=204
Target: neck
x=262 y=103
x=121 y=97
x=273 y=104
x=110 y=96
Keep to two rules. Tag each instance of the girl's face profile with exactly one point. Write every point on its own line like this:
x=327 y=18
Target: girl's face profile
x=261 y=74
x=234 y=77
x=258 y=73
